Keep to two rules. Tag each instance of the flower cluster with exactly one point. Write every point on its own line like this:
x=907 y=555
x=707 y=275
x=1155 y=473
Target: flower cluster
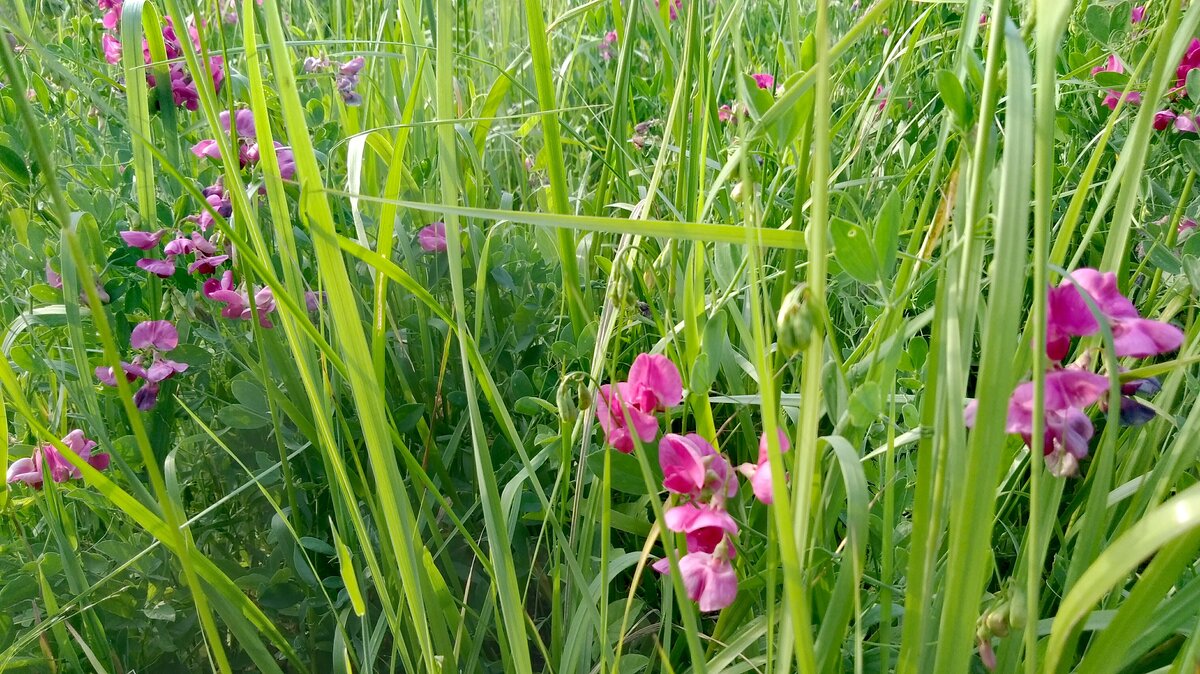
x=627 y=408
x=205 y=261
x=237 y=302
x=30 y=470
x=183 y=88
x=699 y=477
x=1069 y=390
x=152 y=339
x=241 y=124
x=346 y=75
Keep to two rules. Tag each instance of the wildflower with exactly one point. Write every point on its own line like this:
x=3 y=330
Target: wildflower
x=283 y=155
x=724 y=113
x=29 y=470
x=432 y=237
x=1185 y=123
x=610 y=38
x=1186 y=225
x=142 y=240
x=885 y=32
x=53 y=279
x=347 y=80
x=881 y=95
x=1189 y=62
x=1133 y=411
x=222 y=290
x=1133 y=336
x=704 y=526
x=1113 y=97
x=655 y=382
x=112 y=12
x=158 y=335
x=111 y=48
x=709 y=578
x=160 y=268
x=314 y=64
x=692 y=467
x=154 y=339
x=612 y=407
x=764 y=80
x=206 y=265
x=760 y=474
x=1067 y=428
x=1163 y=119
x=241 y=120
x=313 y=300
x=673 y=8
x=1137 y=14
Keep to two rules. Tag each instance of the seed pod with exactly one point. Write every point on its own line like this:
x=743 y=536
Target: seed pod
x=794 y=327
x=1018 y=612
x=584 y=395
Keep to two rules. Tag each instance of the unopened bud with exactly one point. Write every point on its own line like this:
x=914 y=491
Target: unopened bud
x=736 y=193
x=794 y=327
x=1018 y=611
x=566 y=403
x=997 y=620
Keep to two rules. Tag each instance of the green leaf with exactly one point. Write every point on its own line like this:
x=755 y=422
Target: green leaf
x=1190 y=149
x=242 y=417
x=1111 y=80
x=14 y=166
x=887 y=234
x=626 y=475
x=1096 y=21
x=1192 y=84
x=852 y=250
x=865 y=403
x=408 y=416
x=953 y=96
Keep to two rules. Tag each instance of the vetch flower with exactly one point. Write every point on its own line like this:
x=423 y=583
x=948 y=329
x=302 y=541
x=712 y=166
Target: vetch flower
x=160 y=268
x=1189 y=62
x=709 y=578
x=142 y=240
x=1133 y=411
x=206 y=265
x=760 y=474
x=612 y=406
x=241 y=120
x=132 y=371
x=1163 y=119
x=610 y=38
x=30 y=470
x=53 y=278
x=764 y=80
x=158 y=335
x=655 y=382
x=1137 y=14
x=432 y=238
x=725 y=113
x=1185 y=123
x=1069 y=315
x=692 y=467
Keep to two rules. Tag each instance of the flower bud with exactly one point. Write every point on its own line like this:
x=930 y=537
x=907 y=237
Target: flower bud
x=794 y=327
x=1018 y=611
x=566 y=403
x=997 y=620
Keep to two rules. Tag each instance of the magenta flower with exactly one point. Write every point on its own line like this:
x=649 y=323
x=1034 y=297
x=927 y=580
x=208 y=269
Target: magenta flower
x=242 y=120
x=224 y=291
x=180 y=245
x=158 y=335
x=133 y=371
x=353 y=66
x=160 y=268
x=1137 y=14
x=884 y=31
x=313 y=300
x=704 y=527
x=1111 y=65
x=206 y=265
x=725 y=113
x=692 y=467
x=612 y=406
x=283 y=155
x=1113 y=97
x=142 y=240
x=111 y=48
x=1163 y=119
x=764 y=80
x=1068 y=315
x=1185 y=123
x=29 y=470
x=432 y=238
x=112 y=12
x=1189 y=62
x=709 y=579
x=207 y=148
x=760 y=474
x=1186 y=225
x=655 y=383
x=163 y=369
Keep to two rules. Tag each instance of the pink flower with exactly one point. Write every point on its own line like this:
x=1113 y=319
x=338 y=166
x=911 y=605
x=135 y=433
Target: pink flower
x=180 y=245
x=132 y=371
x=1137 y=14
x=283 y=155
x=1185 y=123
x=881 y=94
x=703 y=527
x=313 y=300
x=202 y=245
x=1186 y=225
x=112 y=49
x=142 y=240
x=612 y=407
x=692 y=467
x=53 y=279
x=655 y=383
x=1113 y=97
x=158 y=335
x=163 y=369
x=224 y=292
x=1163 y=119
x=610 y=38
x=1133 y=336
x=760 y=474
x=242 y=120
x=432 y=238
x=1111 y=65
x=764 y=80
x=1189 y=62
x=207 y=148
x=264 y=302
x=29 y=470
x=709 y=579
x=207 y=265
x=724 y=113
x=160 y=268
x=884 y=31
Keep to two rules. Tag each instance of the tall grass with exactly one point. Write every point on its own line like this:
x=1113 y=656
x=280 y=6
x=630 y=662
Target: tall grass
x=410 y=477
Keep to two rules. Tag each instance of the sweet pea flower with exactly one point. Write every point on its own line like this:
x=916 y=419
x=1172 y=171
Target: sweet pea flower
x=764 y=80
x=1133 y=411
x=206 y=265
x=132 y=371
x=162 y=369
x=29 y=470
x=692 y=467
x=222 y=290
x=180 y=245
x=111 y=48
x=885 y=32
x=160 y=268
x=1113 y=97
x=207 y=148
x=1137 y=14
x=313 y=300
x=1185 y=123
x=158 y=335
x=760 y=474
x=655 y=383
x=432 y=238
x=725 y=113
x=1069 y=315
x=142 y=240
x=704 y=527
x=241 y=120
x=1189 y=62
x=1163 y=119
x=610 y=38
x=709 y=579
x=613 y=405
